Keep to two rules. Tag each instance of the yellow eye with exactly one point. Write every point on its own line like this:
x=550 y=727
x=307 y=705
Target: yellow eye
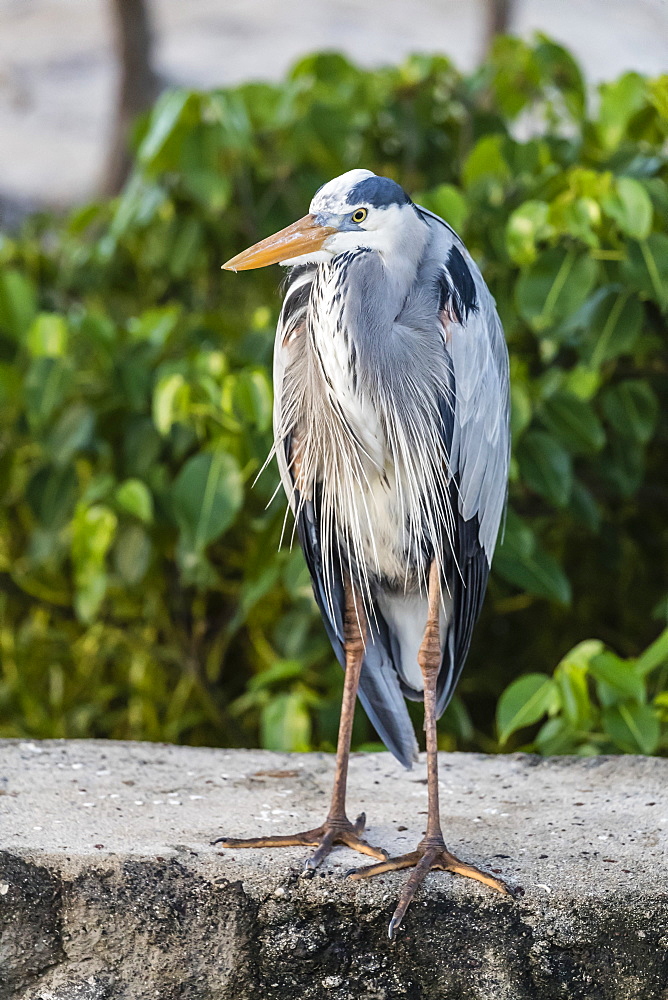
x=359 y=215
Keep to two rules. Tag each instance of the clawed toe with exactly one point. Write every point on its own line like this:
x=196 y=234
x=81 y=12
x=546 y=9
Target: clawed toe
x=310 y=838
x=426 y=858
x=388 y=865
x=323 y=838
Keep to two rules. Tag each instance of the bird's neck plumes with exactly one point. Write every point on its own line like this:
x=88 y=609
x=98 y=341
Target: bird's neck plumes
x=354 y=303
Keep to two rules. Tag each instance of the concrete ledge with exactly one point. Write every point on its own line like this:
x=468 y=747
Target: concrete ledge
x=109 y=887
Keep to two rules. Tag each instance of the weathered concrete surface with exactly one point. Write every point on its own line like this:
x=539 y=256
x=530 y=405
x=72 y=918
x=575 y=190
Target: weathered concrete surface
x=109 y=887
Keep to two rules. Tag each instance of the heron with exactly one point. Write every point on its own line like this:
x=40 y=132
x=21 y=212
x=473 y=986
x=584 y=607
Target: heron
x=391 y=432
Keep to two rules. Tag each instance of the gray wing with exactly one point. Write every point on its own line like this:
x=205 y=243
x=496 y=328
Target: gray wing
x=477 y=435
x=379 y=690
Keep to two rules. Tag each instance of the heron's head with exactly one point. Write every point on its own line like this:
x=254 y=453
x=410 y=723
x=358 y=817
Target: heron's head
x=356 y=210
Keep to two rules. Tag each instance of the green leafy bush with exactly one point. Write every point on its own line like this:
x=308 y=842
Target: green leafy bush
x=595 y=702
x=142 y=592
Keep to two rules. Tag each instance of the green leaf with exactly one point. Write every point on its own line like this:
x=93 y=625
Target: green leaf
x=522 y=561
x=47 y=336
x=578 y=218
x=93 y=530
x=252 y=591
x=139 y=204
x=654 y=656
x=141 y=447
x=456 y=720
x=171 y=402
x=631 y=208
x=486 y=162
x=47 y=383
x=187 y=244
x=618 y=674
x=447 y=201
x=11 y=386
x=646 y=267
x=582 y=382
x=209 y=187
x=633 y=728
x=537 y=574
x=51 y=494
x=164 y=119
x=155 y=325
x=206 y=497
x=132 y=554
x=545 y=467
x=195 y=569
x=585 y=508
x=278 y=673
x=285 y=724
x=620 y=101
x=622 y=466
x=632 y=409
x=563 y=73
x=556 y=736
x=520 y=410
x=571 y=676
x=296 y=576
x=524 y=702
x=580 y=656
x=134 y=497
x=252 y=398
x=660 y=703
x=554 y=287
x=98 y=488
x=526 y=227
x=658 y=94
x=613 y=327
x=518 y=536
x=573 y=422
x=18 y=303
x=71 y=433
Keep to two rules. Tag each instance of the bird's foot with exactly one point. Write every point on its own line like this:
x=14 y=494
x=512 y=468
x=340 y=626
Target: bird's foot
x=428 y=855
x=335 y=830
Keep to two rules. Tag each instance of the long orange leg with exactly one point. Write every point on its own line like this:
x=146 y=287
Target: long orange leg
x=431 y=852
x=337 y=828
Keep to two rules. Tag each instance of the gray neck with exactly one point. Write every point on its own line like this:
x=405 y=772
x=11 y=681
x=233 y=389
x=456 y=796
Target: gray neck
x=355 y=303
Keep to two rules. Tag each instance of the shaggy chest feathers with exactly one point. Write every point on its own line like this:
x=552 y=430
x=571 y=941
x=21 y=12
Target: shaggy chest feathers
x=368 y=440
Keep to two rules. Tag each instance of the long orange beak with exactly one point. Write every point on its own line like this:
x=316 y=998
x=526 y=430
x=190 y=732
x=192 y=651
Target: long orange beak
x=303 y=236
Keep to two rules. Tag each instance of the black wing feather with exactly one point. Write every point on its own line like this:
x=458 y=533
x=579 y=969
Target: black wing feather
x=468 y=582
x=467 y=568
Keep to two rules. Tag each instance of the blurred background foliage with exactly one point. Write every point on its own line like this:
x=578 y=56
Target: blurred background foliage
x=142 y=593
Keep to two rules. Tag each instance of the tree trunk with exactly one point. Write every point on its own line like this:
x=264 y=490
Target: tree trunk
x=498 y=15
x=138 y=84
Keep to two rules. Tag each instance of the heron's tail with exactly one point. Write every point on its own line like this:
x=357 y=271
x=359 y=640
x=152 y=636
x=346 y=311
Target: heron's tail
x=384 y=703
